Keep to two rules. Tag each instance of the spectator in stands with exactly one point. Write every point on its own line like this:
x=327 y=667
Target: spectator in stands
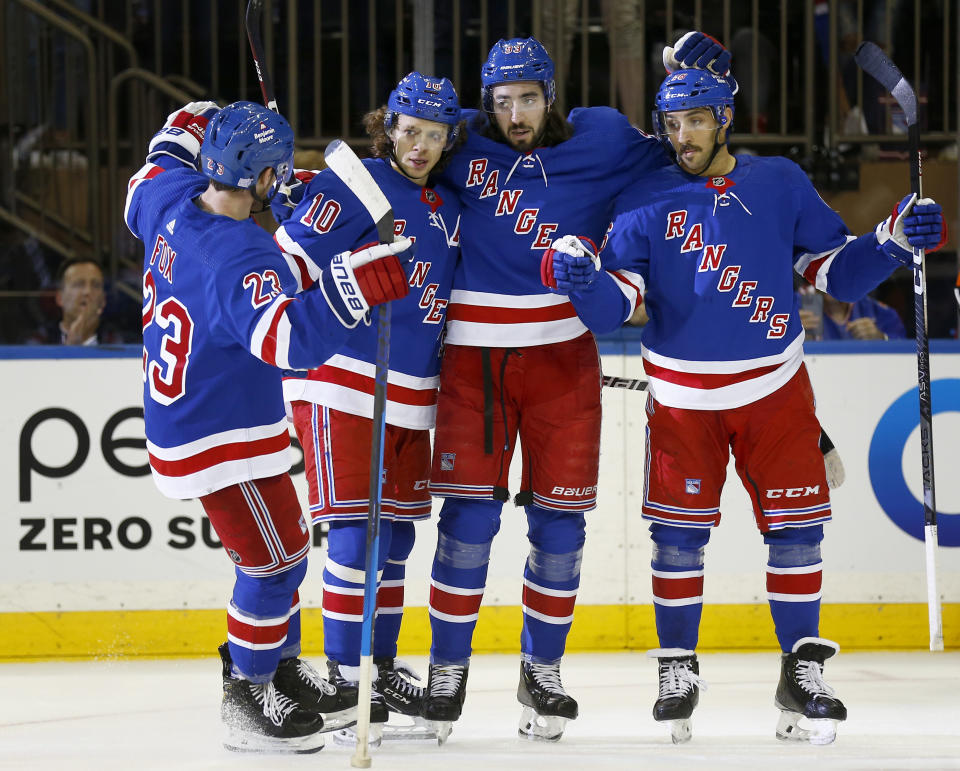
x=866 y=319
x=81 y=298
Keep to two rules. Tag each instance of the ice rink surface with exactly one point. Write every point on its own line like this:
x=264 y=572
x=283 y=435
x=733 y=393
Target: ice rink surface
x=904 y=712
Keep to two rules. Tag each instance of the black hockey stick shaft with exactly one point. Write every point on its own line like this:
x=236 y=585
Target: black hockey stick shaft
x=252 y=22
x=875 y=63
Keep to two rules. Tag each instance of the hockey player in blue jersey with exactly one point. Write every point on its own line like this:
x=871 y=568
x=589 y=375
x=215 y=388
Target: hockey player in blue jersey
x=413 y=135
x=712 y=244
x=221 y=319
x=519 y=362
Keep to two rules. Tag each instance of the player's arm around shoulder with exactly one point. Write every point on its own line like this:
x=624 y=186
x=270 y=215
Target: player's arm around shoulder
x=327 y=220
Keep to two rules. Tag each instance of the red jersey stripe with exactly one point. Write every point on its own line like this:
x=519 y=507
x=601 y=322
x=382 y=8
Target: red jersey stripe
x=705 y=379
x=222 y=454
x=416 y=397
x=483 y=315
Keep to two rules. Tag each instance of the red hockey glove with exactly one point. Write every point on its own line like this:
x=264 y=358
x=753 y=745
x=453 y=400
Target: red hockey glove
x=182 y=134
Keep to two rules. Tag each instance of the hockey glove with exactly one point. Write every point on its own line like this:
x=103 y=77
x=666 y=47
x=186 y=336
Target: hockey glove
x=912 y=225
x=697 y=50
x=182 y=134
x=356 y=281
x=290 y=195
x=569 y=265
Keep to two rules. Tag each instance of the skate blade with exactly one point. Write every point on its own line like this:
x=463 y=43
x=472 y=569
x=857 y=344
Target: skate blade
x=404 y=728
x=540 y=728
x=441 y=729
x=344 y=718
x=237 y=740
x=347 y=737
x=820 y=731
x=681 y=731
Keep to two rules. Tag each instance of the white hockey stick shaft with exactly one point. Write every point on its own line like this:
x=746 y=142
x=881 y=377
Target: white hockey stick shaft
x=349 y=168
x=875 y=63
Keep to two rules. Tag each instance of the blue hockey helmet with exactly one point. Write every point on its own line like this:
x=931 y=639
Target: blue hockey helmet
x=242 y=140
x=424 y=97
x=689 y=89
x=517 y=59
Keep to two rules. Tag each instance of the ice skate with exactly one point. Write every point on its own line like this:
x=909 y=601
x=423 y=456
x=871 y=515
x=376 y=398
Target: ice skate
x=803 y=695
x=680 y=686
x=258 y=718
x=302 y=683
x=547 y=707
x=403 y=699
x=346 y=680
x=443 y=701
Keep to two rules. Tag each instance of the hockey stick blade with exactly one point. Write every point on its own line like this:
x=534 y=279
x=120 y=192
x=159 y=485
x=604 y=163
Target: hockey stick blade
x=875 y=63
x=252 y=24
x=349 y=168
x=629 y=383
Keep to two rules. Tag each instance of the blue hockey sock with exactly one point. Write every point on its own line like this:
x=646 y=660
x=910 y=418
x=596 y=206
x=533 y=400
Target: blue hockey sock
x=551 y=579
x=794 y=576
x=678 y=583
x=459 y=574
x=386 y=629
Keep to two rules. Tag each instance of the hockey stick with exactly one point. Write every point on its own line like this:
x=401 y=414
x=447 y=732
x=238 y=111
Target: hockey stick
x=875 y=63
x=345 y=164
x=252 y=23
x=630 y=383
x=348 y=167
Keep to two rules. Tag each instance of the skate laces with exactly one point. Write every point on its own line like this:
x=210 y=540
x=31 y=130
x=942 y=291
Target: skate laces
x=548 y=677
x=275 y=705
x=810 y=678
x=310 y=675
x=446 y=679
x=397 y=676
x=677 y=678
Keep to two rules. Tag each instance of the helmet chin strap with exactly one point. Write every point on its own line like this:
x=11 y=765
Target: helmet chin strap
x=398 y=165
x=265 y=202
x=716 y=149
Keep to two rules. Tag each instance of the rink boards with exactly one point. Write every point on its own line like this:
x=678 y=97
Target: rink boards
x=96 y=563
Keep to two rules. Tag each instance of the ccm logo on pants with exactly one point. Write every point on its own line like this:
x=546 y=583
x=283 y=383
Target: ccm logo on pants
x=793 y=492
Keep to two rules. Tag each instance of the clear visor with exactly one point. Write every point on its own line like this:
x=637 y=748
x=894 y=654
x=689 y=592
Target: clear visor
x=506 y=105
x=674 y=123
x=430 y=138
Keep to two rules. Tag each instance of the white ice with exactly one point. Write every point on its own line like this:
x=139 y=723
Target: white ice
x=143 y=715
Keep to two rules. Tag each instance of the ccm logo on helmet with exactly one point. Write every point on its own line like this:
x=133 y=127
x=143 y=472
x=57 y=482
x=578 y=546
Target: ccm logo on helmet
x=793 y=492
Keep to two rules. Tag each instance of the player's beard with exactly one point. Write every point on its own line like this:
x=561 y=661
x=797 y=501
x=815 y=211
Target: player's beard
x=529 y=142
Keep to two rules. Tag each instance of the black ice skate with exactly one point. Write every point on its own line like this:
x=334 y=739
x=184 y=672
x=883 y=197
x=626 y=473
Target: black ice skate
x=547 y=707
x=802 y=693
x=347 y=681
x=404 y=699
x=258 y=718
x=302 y=683
x=680 y=686
x=443 y=701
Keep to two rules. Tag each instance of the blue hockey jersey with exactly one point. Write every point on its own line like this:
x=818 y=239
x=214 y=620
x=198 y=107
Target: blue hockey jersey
x=716 y=259
x=219 y=323
x=515 y=204
x=330 y=219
